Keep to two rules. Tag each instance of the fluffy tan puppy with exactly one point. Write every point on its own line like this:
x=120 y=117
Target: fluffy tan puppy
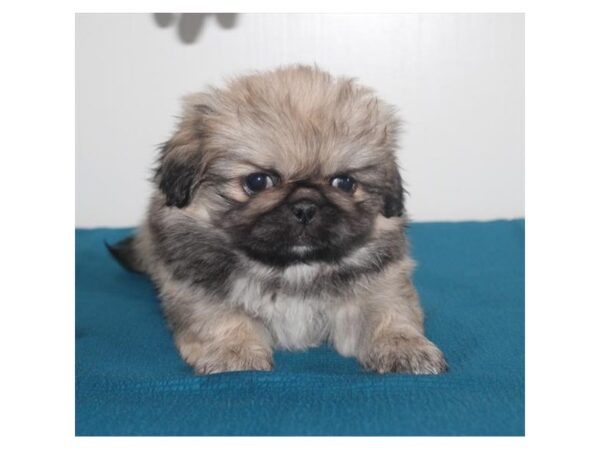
x=278 y=222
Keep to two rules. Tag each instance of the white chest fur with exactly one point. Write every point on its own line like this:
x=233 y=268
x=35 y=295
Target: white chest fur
x=295 y=322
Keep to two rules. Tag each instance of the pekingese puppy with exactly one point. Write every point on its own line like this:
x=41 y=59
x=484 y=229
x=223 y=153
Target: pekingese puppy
x=278 y=222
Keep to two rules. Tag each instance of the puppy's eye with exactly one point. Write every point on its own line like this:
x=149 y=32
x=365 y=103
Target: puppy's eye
x=257 y=182
x=343 y=182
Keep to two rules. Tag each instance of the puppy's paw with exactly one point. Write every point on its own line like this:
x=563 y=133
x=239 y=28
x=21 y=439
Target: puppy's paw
x=213 y=358
x=232 y=361
x=416 y=355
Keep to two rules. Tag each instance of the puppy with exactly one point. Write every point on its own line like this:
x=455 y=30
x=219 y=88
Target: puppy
x=278 y=222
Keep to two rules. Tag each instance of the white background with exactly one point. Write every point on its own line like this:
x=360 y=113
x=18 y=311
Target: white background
x=456 y=79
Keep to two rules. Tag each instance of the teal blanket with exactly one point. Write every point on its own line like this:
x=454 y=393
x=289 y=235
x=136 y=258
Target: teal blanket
x=131 y=381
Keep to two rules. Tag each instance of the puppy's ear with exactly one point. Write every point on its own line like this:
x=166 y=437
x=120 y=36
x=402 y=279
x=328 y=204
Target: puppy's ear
x=182 y=161
x=393 y=197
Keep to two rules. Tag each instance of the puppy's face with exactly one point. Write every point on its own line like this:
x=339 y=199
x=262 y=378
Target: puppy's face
x=283 y=219
x=292 y=165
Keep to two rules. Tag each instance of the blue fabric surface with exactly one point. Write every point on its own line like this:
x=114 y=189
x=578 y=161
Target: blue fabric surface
x=131 y=381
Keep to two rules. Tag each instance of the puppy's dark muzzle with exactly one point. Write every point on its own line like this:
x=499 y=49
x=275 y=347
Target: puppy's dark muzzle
x=304 y=211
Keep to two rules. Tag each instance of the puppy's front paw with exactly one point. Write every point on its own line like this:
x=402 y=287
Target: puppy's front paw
x=214 y=358
x=416 y=355
x=234 y=361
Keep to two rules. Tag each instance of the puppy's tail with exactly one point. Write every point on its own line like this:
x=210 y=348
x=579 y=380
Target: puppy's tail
x=125 y=253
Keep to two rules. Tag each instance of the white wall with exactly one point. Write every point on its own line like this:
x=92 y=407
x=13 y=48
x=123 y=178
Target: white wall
x=457 y=79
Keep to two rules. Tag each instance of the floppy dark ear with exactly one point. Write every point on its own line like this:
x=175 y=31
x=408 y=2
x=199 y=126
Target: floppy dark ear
x=179 y=173
x=182 y=160
x=393 y=197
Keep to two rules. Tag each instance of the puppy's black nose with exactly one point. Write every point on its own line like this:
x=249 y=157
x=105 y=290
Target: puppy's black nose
x=304 y=211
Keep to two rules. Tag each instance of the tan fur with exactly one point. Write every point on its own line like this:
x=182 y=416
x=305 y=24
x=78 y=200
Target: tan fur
x=229 y=344
x=299 y=118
